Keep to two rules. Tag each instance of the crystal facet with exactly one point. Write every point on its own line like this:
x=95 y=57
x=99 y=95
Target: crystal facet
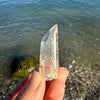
x=49 y=54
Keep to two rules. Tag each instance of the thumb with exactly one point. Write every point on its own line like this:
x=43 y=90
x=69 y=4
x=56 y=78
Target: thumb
x=34 y=90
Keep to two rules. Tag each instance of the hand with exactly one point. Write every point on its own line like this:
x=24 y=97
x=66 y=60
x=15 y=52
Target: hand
x=34 y=87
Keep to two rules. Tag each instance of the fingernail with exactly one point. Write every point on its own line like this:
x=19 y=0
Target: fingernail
x=63 y=73
x=64 y=78
x=36 y=80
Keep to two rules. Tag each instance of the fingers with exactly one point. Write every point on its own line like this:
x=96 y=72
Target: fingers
x=34 y=90
x=32 y=87
x=55 y=88
x=11 y=95
x=55 y=91
x=62 y=74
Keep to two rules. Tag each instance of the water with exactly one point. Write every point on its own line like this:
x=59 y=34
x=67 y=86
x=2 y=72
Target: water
x=24 y=22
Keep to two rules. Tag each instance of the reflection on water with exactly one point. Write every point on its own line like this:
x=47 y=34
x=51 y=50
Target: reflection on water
x=23 y=23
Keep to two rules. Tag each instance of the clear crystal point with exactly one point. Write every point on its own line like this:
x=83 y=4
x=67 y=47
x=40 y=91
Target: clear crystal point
x=49 y=54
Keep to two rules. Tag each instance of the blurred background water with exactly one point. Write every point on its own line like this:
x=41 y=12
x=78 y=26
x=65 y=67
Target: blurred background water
x=24 y=22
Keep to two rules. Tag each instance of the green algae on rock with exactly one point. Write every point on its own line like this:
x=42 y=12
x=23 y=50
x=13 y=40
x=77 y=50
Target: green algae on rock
x=23 y=65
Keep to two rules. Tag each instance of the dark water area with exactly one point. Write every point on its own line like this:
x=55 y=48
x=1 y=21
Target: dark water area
x=24 y=22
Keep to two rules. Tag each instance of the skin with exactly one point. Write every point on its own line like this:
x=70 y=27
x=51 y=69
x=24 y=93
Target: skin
x=34 y=87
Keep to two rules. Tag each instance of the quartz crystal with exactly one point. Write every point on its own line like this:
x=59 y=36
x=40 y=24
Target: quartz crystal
x=49 y=54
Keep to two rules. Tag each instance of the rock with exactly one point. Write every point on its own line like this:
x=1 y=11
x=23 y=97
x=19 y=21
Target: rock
x=22 y=66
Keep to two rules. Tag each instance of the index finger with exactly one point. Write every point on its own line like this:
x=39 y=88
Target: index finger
x=12 y=94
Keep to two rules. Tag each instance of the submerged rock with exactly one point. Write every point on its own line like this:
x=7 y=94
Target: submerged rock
x=22 y=66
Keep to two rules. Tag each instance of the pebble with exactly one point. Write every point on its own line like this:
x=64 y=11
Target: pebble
x=0 y=74
x=3 y=96
x=78 y=98
x=99 y=53
x=70 y=66
x=97 y=39
x=13 y=83
x=73 y=62
x=65 y=99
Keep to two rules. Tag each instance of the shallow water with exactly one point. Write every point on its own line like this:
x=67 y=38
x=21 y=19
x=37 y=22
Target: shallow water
x=24 y=22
